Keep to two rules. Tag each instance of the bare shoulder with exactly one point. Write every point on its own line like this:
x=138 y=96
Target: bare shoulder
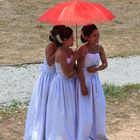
x=50 y=47
x=101 y=49
x=60 y=53
x=83 y=48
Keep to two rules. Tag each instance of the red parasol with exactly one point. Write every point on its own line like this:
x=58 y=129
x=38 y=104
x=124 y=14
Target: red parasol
x=76 y=12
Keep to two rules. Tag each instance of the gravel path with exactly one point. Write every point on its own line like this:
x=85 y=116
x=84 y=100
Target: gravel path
x=16 y=82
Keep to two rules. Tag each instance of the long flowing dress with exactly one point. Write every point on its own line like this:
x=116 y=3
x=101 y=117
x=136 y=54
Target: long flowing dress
x=36 y=115
x=61 y=112
x=91 y=108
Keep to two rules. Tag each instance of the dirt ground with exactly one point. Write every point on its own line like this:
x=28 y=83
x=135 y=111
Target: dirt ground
x=123 y=118
x=22 y=39
x=123 y=121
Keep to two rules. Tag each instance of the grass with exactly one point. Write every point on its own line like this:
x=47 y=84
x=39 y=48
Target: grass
x=122 y=103
x=114 y=91
x=111 y=92
x=120 y=92
x=131 y=88
x=114 y=95
x=12 y=117
x=12 y=110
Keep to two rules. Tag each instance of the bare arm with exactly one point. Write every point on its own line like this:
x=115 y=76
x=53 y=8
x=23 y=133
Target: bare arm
x=50 y=54
x=74 y=71
x=81 y=74
x=104 y=64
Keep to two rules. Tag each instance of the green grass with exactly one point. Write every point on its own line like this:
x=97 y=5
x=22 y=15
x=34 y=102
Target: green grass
x=112 y=92
x=12 y=110
x=131 y=88
x=120 y=91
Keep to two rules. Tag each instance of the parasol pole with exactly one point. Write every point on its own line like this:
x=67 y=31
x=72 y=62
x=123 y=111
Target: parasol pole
x=76 y=36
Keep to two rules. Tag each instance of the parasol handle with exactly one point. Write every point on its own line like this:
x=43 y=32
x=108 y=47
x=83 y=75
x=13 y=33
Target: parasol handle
x=76 y=37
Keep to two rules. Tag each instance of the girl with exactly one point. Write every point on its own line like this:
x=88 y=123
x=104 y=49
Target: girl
x=91 y=99
x=61 y=102
x=35 y=123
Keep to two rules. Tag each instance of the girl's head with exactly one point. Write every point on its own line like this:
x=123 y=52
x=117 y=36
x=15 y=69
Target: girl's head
x=90 y=33
x=65 y=37
x=55 y=29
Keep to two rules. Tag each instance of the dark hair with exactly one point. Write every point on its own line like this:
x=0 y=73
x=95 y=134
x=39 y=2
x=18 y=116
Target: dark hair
x=87 y=31
x=65 y=33
x=55 y=29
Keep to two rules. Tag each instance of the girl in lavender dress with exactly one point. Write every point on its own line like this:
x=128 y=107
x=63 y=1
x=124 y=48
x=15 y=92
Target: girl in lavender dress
x=61 y=111
x=36 y=116
x=91 y=100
